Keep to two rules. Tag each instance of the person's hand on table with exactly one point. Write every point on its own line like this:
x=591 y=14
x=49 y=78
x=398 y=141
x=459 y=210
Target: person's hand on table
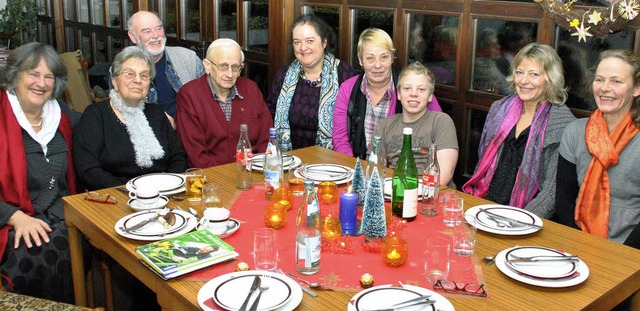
x=28 y=228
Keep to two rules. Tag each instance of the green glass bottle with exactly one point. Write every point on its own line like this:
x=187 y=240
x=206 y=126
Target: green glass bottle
x=404 y=201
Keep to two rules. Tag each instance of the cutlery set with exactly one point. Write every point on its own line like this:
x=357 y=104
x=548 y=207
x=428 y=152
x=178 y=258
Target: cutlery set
x=167 y=220
x=504 y=221
x=419 y=301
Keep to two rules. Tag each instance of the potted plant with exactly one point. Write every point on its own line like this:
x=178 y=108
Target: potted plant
x=19 y=18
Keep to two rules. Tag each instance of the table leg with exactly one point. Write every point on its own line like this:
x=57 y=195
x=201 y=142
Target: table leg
x=77 y=266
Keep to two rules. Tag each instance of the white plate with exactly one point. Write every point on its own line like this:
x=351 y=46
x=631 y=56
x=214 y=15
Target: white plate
x=161 y=203
x=343 y=174
x=583 y=274
x=383 y=296
x=236 y=226
x=485 y=224
x=233 y=289
x=185 y=222
x=287 y=162
x=166 y=183
x=388 y=189
x=547 y=269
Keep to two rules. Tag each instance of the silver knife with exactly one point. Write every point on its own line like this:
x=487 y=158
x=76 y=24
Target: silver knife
x=141 y=224
x=254 y=286
x=546 y=259
x=510 y=219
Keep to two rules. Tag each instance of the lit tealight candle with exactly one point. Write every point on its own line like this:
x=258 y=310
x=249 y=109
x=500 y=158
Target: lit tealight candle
x=395 y=251
x=275 y=216
x=394 y=255
x=348 y=212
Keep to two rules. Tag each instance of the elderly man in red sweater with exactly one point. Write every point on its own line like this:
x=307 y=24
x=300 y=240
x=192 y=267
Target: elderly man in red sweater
x=211 y=108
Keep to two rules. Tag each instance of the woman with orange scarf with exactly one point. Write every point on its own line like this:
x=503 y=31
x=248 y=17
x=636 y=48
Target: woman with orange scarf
x=598 y=182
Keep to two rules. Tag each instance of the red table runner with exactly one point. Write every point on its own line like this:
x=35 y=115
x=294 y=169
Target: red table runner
x=340 y=268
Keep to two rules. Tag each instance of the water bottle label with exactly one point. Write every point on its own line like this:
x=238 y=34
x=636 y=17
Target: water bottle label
x=271 y=180
x=410 y=204
x=313 y=252
x=312 y=208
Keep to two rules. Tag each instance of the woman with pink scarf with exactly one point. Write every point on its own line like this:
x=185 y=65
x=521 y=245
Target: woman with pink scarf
x=518 y=149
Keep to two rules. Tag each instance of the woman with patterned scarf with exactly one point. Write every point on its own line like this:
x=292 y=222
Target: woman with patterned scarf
x=518 y=149
x=598 y=180
x=304 y=92
x=124 y=138
x=36 y=171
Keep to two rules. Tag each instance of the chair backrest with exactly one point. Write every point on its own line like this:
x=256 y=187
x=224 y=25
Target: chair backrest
x=78 y=94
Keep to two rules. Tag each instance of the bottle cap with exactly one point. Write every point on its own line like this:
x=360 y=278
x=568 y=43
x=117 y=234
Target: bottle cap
x=243 y=127
x=407 y=131
x=308 y=183
x=273 y=131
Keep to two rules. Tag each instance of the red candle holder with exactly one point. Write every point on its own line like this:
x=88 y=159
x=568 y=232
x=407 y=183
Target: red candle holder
x=275 y=215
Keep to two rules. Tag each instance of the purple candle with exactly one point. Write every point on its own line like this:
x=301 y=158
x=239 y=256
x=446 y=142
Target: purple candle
x=348 y=212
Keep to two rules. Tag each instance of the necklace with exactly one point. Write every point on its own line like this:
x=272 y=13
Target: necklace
x=308 y=82
x=39 y=123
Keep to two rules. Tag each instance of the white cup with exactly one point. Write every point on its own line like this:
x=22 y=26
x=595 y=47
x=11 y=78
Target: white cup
x=145 y=195
x=215 y=220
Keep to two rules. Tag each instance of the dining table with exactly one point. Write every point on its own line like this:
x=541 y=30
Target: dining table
x=614 y=269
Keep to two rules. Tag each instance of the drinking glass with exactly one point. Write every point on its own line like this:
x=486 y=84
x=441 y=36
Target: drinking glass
x=436 y=259
x=211 y=196
x=265 y=249
x=464 y=236
x=296 y=184
x=453 y=208
x=194 y=183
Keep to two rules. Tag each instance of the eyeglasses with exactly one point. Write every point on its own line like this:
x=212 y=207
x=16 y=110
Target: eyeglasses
x=470 y=289
x=96 y=197
x=225 y=67
x=130 y=75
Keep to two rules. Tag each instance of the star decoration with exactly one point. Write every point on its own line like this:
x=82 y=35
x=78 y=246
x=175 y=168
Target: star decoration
x=594 y=18
x=582 y=33
x=574 y=23
x=331 y=278
x=629 y=10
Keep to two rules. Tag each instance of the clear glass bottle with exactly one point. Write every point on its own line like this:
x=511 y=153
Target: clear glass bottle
x=308 y=239
x=404 y=200
x=431 y=184
x=243 y=160
x=272 y=164
x=378 y=159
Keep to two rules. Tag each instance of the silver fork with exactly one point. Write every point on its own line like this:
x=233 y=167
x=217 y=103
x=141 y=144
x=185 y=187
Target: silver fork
x=306 y=290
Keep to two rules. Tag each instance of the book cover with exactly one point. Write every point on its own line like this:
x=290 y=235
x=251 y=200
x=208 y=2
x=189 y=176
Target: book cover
x=185 y=253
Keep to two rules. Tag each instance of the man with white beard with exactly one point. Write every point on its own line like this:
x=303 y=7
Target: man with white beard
x=175 y=65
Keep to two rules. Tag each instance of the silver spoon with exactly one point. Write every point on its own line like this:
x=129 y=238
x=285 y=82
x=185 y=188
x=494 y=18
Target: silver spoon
x=263 y=287
x=489 y=260
x=311 y=284
x=230 y=225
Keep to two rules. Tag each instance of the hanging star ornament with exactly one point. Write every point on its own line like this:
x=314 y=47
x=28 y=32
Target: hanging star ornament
x=582 y=33
x=574 y=23
x=628 y=9
x=595 y=18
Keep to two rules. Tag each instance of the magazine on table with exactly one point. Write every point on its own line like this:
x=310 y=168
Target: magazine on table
x=176 y=256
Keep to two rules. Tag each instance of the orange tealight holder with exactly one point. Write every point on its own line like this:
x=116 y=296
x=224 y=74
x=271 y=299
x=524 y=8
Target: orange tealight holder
x=328 y=192
x=283 y=196
x=395 y=251
x=275 y=215
x=331 y=228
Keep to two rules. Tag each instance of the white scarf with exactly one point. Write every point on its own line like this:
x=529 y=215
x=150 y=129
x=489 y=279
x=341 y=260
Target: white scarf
x=145 y=143
x=50 y=121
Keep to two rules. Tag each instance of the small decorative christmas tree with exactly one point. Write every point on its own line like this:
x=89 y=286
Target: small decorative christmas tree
x=373 y=216
x=359 y=183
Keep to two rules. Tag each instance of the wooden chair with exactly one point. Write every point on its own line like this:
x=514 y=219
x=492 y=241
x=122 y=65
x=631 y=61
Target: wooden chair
x=18 y=302
x=78 y=94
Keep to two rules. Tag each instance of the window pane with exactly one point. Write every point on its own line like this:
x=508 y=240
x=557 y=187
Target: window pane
x=85 y=44
x=579 y=58
x=116 y=46
x=115 y=15
x=475 y=125
x=367 y=19
x=496 y=43
x=331 y=15
x=259 y=73
x=169 y=19
x=101 y=47
x=258 y=32
x=128 y=11
x=84 y=11
x=193 y=21
x=43 y=33
x=70 y=10
x=42 y=6
x=98 y=12
x=434 y=40
x=70 y=39
x=227 y=20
